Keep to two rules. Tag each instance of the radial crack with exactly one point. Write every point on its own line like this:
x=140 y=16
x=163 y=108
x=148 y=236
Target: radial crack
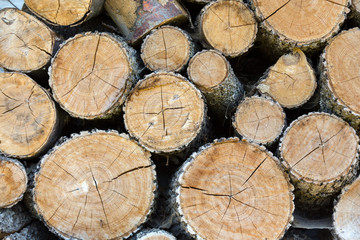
x=131 y=170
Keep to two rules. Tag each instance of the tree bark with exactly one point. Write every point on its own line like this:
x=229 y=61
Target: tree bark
x=167 y=48
x=320 y=152
x=34 y=231
x=259 y=120
x=291 y=81
x=97 y=185
x=65 y=12
x=227 y=26
x=26 y=44
x=154 y=234
x=213 y=75
x=346 y=213
x=99 y=87
x=339 y=77
x=166 y=114
x=288 y=24
x=30 y=123
x=13 y=219
x=232 y=189
x=136 y=19
x=13 y=182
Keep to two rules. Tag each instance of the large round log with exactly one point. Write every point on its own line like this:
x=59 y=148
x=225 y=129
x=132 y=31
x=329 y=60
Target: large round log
x=233 y=189
x=29 y=121
x=96 y=185
x=26 y=44
x=99 y=87
x=65 y=12
x=166 y=114
x=320 y=151
x=340 y=77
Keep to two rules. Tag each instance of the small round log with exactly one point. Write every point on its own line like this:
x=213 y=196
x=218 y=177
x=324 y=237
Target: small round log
x=96 y=185
x=320 y=151
x=155 y=234
x=167 y=48
x=28 y=116
x=307 y=25
x=135 y=19
x=26 y=44
x=291 y=81
x=233 y=189
x=99 y=87
x=65 y=12
x=212 y=74
x=259 y=120
x=13 y=182
x=346 y=214
x=166 y=113
x=228 y=26
x=340 y=77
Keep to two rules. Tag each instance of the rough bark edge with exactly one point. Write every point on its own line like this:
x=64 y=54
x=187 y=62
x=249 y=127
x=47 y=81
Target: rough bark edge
x=334 y=230
x=314 y=189
x=199 y=28
x=153 y=232
x=354 y=14
x=271 y=36
x=187 y=36
x=224 y=97
x=266 y=75
x=21 y=166
x=64 y=140
x=267 y=144
x=94 y=9
x=199 y=137
x=328 y=101
x=13 y=219
x=131 y=79
x=54 y=39
x=178 y=214
x=54 y=133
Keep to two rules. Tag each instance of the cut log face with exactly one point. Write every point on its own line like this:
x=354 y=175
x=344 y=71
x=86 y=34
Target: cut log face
x=95 y=186
x=346 y=213
x=165 y=112
x=167 y=48
x=65 y=12
x=98 y=88
x=291 y=81
x=13 y=182
x=301 y=23
x=26 y=44
x=259 y=119
x=320 y=151
x=28 y=116
x=340 y=76
x=228 y=26
x=234 y=190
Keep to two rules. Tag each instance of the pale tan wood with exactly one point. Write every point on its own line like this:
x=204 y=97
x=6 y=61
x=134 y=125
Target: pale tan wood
x=65 y=12
x=26 y=44
x=92 y=74
x=167 y=48
x=233 y=189
x=13 y=182
x=320 y=151
x=346 y=214
x=165 y=112
x=228 y=26
x=155 y=234
x=29 y=122
x=96 y=185
x=340 y=76
x=291 y=81
x=259 y=119
x=304 y=24
x=136 y=18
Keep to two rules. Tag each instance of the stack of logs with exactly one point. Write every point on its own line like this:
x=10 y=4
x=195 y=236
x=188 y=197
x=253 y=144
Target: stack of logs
x=162 y=119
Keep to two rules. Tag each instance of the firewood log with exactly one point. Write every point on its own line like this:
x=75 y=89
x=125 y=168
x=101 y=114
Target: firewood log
x=154 y=234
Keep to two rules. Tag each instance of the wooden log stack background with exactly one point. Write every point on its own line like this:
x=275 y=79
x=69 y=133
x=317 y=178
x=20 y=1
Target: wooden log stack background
x=179 y=119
